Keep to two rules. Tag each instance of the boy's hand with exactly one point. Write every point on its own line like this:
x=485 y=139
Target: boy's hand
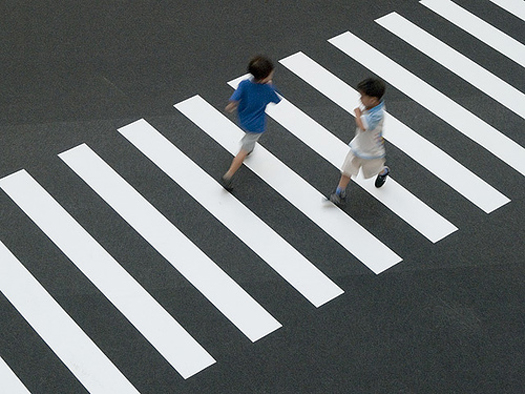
x=358 y=121
x=231 y=106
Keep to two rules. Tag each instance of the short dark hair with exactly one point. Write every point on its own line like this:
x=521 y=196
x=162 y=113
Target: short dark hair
x=260 y=67
x=373 y=87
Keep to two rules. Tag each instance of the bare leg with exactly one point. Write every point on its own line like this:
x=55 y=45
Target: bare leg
x=343 y=182
x=236 y=163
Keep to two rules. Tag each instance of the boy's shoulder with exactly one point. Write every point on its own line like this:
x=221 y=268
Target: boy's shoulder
x=243 y=83
x=249 y=85
x=378 y=110
x=247 y=81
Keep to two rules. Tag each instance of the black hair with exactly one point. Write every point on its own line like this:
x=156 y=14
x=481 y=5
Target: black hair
x=260 y=67
x=373 y=87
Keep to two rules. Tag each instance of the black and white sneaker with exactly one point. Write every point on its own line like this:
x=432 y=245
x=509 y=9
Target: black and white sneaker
x=381 y=178
x=227 y=183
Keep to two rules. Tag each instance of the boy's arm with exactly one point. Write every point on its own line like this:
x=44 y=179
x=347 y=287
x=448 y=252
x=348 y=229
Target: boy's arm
x=232 y=105
x=236 y=97
x=358 y=121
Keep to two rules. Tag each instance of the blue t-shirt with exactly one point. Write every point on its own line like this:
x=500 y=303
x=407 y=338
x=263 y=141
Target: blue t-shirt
x=253 y=99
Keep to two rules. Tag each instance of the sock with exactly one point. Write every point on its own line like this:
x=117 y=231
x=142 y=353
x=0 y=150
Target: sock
x=340 y=191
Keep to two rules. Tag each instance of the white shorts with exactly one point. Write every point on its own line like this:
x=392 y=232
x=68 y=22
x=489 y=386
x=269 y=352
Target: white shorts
x=249 y=140
x=370 y=167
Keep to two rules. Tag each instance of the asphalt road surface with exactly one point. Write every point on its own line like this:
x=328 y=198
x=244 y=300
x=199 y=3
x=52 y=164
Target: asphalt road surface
x=125 y=267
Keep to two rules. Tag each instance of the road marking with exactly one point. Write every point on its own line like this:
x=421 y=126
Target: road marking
x=9 y=382
x=227 y=296
x=353 y=237
x=65 y=338
x=436 y=102
x=256 y=234
x=421 y=150
x=454 y=61
x=157 y=326
x=404 y=204
x=515 y=7
x=478 y=28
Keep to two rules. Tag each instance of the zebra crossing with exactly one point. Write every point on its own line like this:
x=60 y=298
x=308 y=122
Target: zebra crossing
x=436 y=102
x=479 y=29
x=189 y=260
x=410 y=142
x=88 y=363
x=368 y=249
x=460 y=65
x=163 y=332
x=271 y=247
x=397 y=198
x=10 y=382
x=515 y=7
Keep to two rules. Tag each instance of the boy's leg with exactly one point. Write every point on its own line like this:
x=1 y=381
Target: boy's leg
x=339 y=196
x=247 y=145
x=343 y=183
x=226 y=179
x=236 y=164
x=349 y=168
x=376 y=167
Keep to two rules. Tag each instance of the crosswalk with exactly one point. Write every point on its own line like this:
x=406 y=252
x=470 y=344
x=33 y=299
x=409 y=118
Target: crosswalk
x=82 y=356
x=432 y=99
x=271 y=247
x=163 y=332
x=515 y=7
x=87 y=362
x=292 y=187
x=396 y=197
x=479 y=29
x=10 y=382
x=422 y=151
x=459 y=64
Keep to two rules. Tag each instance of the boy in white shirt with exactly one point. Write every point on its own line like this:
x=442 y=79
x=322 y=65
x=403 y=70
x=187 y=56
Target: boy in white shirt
x=367 y=150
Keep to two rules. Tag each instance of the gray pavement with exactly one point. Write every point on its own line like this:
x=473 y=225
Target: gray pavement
x=449 y=318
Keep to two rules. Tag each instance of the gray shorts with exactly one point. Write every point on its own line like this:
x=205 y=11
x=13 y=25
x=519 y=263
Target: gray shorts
x=249 y=140
x=370 y=167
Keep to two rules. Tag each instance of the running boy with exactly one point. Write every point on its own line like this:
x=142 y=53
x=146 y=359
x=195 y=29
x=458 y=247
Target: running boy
x=250 y=99
x=367 y=150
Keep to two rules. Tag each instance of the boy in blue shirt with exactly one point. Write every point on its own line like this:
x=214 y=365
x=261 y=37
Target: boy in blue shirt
x=250 y=99
x=367 y=149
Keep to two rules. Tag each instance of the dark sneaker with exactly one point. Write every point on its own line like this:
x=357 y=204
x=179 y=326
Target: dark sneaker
x=227 y=183
x=337 y=199
x=381 y=178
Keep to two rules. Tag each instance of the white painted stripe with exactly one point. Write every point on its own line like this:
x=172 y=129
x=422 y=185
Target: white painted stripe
x=404 y=204
x=227 y=296
x=271 y=247
x=9 y=382
x=436 y=102
x=76 y=350
x=459 y=64
x=478 y=28
x=353 y=237
x=422 y=151
x=159 y=328
x=515 y=7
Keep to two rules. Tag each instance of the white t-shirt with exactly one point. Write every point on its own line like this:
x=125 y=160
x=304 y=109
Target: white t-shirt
x=369 y=144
